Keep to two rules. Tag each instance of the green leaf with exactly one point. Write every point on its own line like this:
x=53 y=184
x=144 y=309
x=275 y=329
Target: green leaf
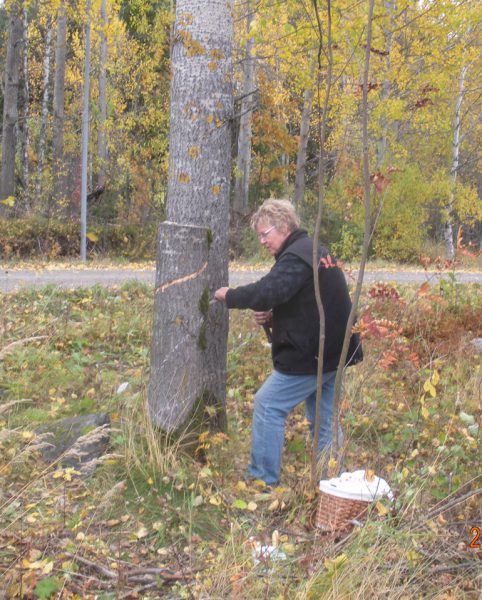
x=473 y=429
x=466 y=419
x=47 y=587
x=240 y=504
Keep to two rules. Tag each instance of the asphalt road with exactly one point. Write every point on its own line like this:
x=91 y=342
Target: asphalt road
x=15 y=280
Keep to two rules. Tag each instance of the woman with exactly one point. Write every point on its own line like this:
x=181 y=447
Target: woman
x=285 y=300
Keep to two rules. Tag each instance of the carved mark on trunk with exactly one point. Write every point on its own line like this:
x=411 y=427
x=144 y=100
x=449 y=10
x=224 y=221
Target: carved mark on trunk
x=162 y=288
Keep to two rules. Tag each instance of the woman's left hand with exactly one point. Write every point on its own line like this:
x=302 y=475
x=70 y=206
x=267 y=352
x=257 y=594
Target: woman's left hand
x=263 y=317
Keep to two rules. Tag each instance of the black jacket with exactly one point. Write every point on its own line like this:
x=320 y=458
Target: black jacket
x=288 y=289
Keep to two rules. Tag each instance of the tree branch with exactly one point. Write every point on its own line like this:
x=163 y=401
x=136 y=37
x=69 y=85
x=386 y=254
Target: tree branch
x=366 y=236
x=316 y=236
x=437 y=511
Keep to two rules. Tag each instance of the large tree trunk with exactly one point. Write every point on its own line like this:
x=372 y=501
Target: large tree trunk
x=58 y=163
x=45 y=113
x=243 y=160
x=10 y=103
x=448 y=225
x=101 y=139
x=188 y=358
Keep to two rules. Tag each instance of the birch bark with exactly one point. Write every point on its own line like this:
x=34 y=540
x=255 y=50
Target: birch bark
x=101 y=138
x=243 y=160
x=448 y=225
x=10 y=104
x=189 y=342
x=45 y=113
x=59 y=176
x=23 y=129
x=302 y=147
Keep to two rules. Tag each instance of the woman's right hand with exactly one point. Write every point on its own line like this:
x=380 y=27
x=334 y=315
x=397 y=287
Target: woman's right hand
x=263 y=317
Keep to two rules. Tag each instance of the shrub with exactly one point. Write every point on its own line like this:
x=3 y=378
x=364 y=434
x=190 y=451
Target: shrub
x=349 y=245
x=39 y=237
x=401 y=229
x=400 y=214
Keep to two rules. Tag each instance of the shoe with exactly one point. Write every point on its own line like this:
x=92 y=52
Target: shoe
x=259 y=483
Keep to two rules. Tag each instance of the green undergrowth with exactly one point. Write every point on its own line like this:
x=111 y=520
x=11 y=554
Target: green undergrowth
x=50 y=239
x=410 y=414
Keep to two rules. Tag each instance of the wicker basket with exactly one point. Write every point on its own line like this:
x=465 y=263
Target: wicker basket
x=334 y=514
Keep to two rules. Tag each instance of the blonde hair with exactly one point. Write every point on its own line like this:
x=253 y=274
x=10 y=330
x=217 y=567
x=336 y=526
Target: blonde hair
x=278 y=213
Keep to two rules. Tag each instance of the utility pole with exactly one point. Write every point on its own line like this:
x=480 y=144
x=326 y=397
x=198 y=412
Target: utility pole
x=85 y=141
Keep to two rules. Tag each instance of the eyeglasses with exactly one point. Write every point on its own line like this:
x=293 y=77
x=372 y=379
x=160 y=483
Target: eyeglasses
x=264 y=234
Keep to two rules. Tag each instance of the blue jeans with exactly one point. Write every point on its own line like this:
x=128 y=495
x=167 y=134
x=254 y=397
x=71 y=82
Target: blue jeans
x=273 y=402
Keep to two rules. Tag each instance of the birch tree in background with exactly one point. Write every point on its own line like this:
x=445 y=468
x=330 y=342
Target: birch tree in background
x=45 y=110
x=10 y=103
x=101 y=138
x=58 y=165
x=448 y=225
x=243 y=161
x=300 y=176
x=387 y=88
x=23 y=129
x=189 y=341
x=85 y=137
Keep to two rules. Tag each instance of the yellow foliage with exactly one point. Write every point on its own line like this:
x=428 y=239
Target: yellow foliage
x=193 y=47
x=194 y=151
x=217 y=54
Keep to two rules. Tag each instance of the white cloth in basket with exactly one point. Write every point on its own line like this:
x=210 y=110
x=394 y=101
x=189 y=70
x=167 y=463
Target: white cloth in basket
x=355 y=486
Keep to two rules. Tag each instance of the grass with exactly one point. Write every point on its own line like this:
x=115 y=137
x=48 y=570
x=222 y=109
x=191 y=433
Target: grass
x=410 y=413
x=259 y=259
x=95 y=262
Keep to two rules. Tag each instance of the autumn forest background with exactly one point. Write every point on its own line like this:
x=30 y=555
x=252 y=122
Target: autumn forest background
x=424 y=106
x=127 y=508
